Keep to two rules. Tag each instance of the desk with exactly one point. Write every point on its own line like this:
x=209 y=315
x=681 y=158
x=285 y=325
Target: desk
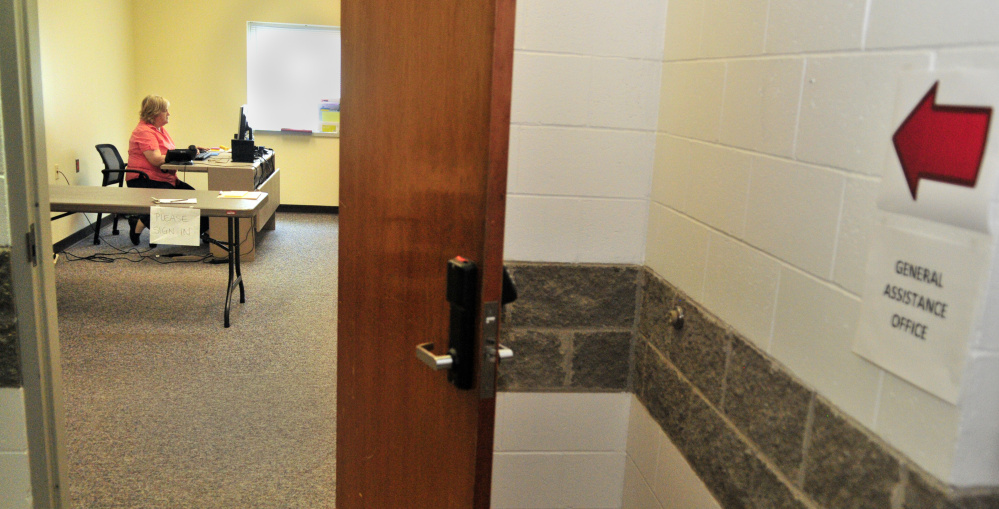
x=225 y=175
x=135 y=200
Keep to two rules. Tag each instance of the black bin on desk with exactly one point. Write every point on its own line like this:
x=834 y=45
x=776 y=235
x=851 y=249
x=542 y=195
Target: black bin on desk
x=243 y=151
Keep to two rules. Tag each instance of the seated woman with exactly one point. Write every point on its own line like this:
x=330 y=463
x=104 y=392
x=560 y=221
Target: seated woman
x=147 y=149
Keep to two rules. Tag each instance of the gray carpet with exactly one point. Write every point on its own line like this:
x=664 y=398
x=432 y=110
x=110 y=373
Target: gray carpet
x=166 y=408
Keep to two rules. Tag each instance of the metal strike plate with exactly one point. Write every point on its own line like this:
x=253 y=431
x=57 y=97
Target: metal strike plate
x=490 y=337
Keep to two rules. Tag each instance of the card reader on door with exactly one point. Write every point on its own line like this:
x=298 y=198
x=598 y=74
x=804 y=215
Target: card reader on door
x=462 y=294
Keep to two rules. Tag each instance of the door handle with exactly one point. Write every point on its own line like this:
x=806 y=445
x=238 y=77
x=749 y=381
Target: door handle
x=504 y=353
x=436 y=362
x=462 y=295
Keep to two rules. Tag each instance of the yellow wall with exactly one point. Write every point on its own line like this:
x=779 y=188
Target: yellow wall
x=194 y=54
x=87 y=84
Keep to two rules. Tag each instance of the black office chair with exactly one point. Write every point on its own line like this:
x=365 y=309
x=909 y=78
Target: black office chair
x=114 y=173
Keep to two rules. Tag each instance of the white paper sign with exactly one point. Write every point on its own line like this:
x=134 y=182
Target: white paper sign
x=175 y=225
x=925 y=285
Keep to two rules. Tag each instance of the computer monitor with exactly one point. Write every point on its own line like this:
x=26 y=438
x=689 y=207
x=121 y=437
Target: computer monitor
x=245 y=131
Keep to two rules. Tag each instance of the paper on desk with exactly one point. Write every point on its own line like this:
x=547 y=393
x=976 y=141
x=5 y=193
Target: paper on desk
x=175 y=201
x=246 y=195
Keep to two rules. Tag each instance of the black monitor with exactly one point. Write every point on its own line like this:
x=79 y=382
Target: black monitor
x=245 y=131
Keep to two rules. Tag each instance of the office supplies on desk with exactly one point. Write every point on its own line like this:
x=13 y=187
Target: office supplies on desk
x=205 y=155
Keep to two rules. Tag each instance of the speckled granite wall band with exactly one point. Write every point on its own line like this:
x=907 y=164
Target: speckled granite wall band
x=10 y=371
x=571 y=328
x=756 y=436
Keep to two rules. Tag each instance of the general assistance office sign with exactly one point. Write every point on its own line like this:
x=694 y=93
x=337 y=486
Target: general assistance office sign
x=932 y=245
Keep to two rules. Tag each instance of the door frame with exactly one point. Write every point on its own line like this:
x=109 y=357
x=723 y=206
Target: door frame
x=33 y=280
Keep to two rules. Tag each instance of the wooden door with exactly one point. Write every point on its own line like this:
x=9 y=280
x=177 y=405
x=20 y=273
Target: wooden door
x=425 y=127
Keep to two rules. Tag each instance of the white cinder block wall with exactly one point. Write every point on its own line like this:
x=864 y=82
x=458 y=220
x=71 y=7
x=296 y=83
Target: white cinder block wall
x=584 y=113
x=775 y=123
x=15 y=490
x=586 y=84
x=560 y=450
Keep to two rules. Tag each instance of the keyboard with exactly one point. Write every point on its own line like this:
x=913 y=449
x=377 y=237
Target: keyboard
x=205 y=155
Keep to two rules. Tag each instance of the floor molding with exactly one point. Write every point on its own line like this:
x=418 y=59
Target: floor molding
x=87 y=231
x=309 y=209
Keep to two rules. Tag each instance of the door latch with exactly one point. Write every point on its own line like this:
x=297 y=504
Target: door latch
x=462 y=294
x=32 y=246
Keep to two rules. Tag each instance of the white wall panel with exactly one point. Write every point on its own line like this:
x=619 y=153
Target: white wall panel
x=718 y=187
x=740 y=287
x=761 y=105
x=671 y=170
x=677 y=249
x=541 y=228
x=637 y=493
x=612 y=230
x=684 y=23
x=548 y=480
x=797 y=26
x=854 y=237
x=734 y=28
x=794 y=211
x=633 y=29
x=572 y=229
x=643 y=437
x=973 y=465
x=813 y=336
x=896 y=23
x=15 y=490
x=550 y=89
x=691 y=101
x=847 y=109
x=630 y=103
x=583 y=162
x=976 y=58
x=930 y=440
x=584 y=110
x=583 y=422
x=14 y=432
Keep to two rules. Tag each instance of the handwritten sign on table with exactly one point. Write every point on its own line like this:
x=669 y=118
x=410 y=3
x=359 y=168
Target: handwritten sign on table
x=175 y=225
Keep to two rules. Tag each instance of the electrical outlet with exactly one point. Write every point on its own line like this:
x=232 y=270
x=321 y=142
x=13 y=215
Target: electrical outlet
x=56 y=174
x=78 y=166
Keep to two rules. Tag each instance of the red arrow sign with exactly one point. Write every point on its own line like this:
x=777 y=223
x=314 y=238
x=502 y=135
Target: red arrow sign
x=942 y=143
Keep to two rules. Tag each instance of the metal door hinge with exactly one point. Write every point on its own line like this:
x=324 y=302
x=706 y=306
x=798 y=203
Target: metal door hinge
x=32 y=246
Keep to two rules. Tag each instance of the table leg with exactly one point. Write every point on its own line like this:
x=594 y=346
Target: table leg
x=238 y=248
x=235 y=277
